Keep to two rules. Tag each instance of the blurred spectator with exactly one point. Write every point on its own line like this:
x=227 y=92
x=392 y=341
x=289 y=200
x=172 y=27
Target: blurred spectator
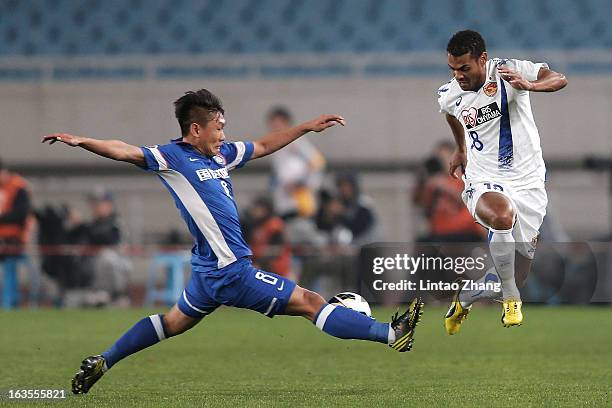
x=60 y=270
x=265 y=234
x=99 y=274
x=346 y=215
x=330 y=219
x=103 y=229
x=15 y=219
x=439 y=195
x=297 y=171
x=358 y=214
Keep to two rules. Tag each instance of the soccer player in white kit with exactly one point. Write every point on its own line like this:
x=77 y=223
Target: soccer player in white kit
x=498 y=151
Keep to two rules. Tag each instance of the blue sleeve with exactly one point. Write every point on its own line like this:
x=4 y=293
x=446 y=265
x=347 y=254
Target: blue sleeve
x=236 y=154
x=156 y=158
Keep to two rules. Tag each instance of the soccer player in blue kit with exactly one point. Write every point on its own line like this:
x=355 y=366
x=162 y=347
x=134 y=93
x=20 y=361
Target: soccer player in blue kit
x=195 y=170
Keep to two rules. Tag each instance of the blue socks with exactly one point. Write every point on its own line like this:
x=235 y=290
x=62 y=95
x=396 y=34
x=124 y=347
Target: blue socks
x=346 y=323
x=337 y=321
x=143 y=334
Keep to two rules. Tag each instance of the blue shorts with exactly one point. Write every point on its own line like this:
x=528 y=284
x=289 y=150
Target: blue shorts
x=238 y=285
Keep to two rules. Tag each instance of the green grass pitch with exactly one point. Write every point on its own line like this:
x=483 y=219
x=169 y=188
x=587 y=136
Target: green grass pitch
x=561 y=356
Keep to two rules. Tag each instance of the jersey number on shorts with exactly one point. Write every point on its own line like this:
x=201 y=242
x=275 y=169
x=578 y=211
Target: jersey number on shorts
x=264 y=277
x=491 y=186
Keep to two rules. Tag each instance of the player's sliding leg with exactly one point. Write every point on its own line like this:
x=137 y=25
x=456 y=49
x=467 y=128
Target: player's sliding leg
x=346 y=323
x=145 y=333
x=271 y=295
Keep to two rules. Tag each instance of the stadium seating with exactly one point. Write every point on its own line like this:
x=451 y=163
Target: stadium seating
x=151 y=27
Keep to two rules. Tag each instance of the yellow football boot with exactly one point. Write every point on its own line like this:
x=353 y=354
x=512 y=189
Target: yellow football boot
x=511 y=313
x=456 y=315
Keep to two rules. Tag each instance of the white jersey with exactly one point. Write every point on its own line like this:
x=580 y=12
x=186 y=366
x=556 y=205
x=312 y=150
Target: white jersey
x=501 y=137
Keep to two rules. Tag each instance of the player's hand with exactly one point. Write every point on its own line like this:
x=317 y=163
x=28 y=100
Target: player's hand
x=458 y=161
x=66 y=138
x=323 y=122
x=514 y=79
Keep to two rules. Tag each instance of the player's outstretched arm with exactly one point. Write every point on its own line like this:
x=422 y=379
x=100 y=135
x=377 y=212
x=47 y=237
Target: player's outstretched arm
x=459 y=157
x=274 y=141
x=548 y=80
x=112 y=149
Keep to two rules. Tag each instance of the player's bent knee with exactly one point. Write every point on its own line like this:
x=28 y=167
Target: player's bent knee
x=496 y=211
x=176 y=322
x=305 y=303
x=314 y=301
x=502 y=221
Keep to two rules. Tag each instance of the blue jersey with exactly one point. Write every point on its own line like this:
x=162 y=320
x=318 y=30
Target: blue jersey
x=202 y=190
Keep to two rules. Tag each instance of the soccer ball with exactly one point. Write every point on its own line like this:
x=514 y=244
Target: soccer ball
x=352 y=301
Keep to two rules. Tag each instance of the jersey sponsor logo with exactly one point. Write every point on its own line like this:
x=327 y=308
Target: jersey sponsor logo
x=469 y=117
x=490 y=89
x=474 y=117
x=220 y=160
x=192 y=159
x=458 y=101
x=207 y=174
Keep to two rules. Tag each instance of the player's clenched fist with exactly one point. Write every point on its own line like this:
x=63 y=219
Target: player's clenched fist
x=515 y=79
x=66 y=138
x=324 y=121
x=458 y=161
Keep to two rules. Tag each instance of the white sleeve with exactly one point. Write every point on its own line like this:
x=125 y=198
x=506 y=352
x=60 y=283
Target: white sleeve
x=528 y=70
x=443 y=99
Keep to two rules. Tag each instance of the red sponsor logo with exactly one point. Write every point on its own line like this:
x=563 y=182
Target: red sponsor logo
x=469 y=116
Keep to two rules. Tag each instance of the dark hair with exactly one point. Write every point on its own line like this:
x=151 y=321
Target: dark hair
x=280 y=112
x=1 y=164
x=466 y=41
x=266 y=202
x=196 y=107
x=433 y=165
x=349 y=178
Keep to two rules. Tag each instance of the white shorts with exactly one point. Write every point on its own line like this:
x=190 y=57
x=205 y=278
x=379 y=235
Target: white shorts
x=529 y=209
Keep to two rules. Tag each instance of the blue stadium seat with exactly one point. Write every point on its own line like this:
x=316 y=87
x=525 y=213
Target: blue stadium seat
x=10 y=291
x=174 y=265
x=96 y=27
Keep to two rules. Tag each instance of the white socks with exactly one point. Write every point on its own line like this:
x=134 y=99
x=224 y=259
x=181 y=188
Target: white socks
x=391 y=338
x=502 y=247
x=467 y=297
